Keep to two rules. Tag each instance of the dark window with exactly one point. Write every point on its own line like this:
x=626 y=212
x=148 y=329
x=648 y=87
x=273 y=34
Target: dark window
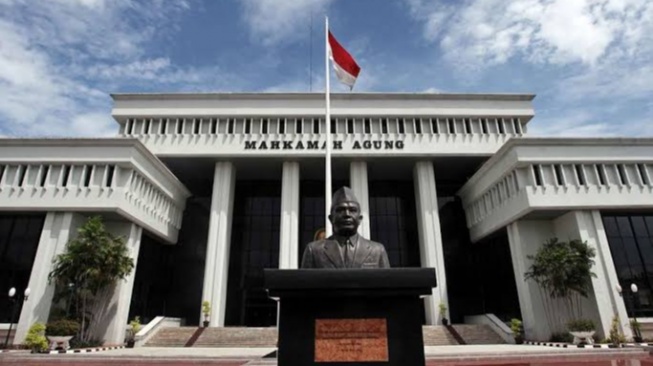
x=19 y=239
x=350 y=125
x=88 y=172
x=22 y=173
x=130 y=126
x=298 y=125
x=621 y=172
x=538 y=174
x=147 y=126
x=264 y=126
x=641 y=169
x=230 y=126
x=558 y=173
x=333 y=125
x=580 y=174
x=402 y=128
x=316 y=125
x=468 y=126
x=601 y=173
x=418 y=125
x=501 y=126
x=66 y=175
x=515 y=124
x=248 y=126
x=180 y=126
x=110 y=171
x=434 y=125
x=254 y=246
x=196 y=126
x=44 y=175
x=282 y=125
x=484 y=125
x=452 y=125
x=630 y=238
x=2 y=171
x=384 y=125
x=164 y=126
x=214 y=125
x=368 y=126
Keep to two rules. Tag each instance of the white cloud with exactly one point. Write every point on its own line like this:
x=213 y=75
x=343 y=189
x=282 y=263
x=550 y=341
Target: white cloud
x=282 y=21
x=56 y=55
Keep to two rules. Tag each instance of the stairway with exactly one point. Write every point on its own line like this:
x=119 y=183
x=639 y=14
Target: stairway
x=434 y=335
x=237 y=337
x=478 y=334
x=437 y=335
x=171 y=337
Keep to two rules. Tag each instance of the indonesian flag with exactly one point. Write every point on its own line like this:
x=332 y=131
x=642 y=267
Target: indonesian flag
x=347 y=69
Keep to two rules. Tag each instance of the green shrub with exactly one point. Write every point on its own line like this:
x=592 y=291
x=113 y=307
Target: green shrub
x=206 y=308
x=563 y=337
x=581 y=325
x=616 y=337
x=62 y=327
x=517 y=327
x=35 y=340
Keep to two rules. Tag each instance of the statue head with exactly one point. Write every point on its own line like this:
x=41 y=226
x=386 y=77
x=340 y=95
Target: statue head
x=345 y=212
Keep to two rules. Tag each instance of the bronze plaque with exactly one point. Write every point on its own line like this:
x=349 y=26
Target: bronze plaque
x=351 y=340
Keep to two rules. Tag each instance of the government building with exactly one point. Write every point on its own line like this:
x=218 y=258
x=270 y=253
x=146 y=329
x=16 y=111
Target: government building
x=210 y=189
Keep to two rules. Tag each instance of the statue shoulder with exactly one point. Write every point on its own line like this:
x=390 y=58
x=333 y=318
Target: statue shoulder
x=373 y=243
x=318 y=244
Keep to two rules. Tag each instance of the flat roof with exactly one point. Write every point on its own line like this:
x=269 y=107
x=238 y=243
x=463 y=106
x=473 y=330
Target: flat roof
x=315 y=95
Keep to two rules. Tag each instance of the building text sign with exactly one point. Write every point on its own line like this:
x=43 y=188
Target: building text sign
x=315 y=145
x=351 y=340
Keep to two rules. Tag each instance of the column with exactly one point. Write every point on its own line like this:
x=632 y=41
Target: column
x=358 y=181
x=58 y=229
x=219 y=239
x=289 y=235
x=430 y=238
x=113 y=312
x=524 y=238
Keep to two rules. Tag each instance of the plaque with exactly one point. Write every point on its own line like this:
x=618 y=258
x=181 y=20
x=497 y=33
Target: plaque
x=351 y=340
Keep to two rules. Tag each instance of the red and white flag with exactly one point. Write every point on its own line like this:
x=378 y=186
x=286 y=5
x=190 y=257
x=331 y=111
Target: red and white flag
x=347 y=69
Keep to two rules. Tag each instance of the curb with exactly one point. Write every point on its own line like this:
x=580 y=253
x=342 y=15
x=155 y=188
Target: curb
x=568 y=345
x=85 y=350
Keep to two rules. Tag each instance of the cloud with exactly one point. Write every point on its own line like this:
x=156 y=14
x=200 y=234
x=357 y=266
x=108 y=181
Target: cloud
x=272 y=22
x=60 y=58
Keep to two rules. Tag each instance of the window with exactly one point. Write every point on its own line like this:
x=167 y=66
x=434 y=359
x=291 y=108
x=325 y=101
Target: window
x=601 y=174
x=418 y=125
x=537 y=174
x=451 y=125
x=298 y=125
x=230 y=126
x=316 y=126
x=557 y=169
x=248 y=126
x=501 y=127
x=264 y=126
x=368 y=126
x=196 y=126
x=468 y=126
x=384 y=125
x=402 y=128
x=580 y=174
x=484 y=125
x=350 y=125
x=44 y=175
x=110 y=170
x=621 y=172
x=641 y=170
x=214 y=126
x=434 y=125
x=180 y=126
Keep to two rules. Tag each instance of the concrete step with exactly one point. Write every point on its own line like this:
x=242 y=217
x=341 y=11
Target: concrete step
x=171 y=337
x=478 y=334
x=437 y=335
x=237 y=337
x=647 y=330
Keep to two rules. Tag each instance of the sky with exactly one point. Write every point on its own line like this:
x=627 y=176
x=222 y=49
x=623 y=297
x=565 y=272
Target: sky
x=589 y=62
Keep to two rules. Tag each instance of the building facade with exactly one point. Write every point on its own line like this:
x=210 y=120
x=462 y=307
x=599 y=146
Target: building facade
x=209 y=189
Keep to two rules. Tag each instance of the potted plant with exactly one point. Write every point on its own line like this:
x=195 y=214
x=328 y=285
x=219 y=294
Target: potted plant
x=582 y=330
x=637 y=330
x=60 y=332
x=134 y=328
x=35 y=339
x=616 y=337
x=517 y=330
x=443 y=313
x=206 y=310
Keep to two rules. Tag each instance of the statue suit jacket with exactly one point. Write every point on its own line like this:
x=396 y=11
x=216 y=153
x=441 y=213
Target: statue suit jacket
x=326 y=254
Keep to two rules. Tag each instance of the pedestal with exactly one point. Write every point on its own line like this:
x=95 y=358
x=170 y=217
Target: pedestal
x=354 y=316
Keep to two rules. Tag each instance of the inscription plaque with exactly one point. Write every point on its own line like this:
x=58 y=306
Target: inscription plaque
x=351 y=340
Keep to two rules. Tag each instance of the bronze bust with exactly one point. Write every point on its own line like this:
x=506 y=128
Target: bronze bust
x=345 y=248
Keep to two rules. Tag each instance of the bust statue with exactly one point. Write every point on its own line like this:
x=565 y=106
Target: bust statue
x=345 y=248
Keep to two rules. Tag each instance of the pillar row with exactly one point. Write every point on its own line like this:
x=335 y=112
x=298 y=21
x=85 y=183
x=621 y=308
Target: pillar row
x=358 y=181
x=430 y=238
x=289 y=235
x=219 y=239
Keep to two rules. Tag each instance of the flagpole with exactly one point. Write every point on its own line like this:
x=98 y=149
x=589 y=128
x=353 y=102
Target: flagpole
x=327 y=121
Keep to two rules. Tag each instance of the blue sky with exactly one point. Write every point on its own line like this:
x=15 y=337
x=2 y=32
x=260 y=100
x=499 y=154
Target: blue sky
x=588 y=61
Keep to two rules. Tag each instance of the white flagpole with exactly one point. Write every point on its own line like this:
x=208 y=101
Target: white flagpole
x=327 y=121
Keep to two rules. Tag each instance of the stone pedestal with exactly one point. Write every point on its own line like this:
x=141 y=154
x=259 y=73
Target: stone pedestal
x=353 y=316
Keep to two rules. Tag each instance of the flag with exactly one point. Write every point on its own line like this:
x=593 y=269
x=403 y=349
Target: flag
x=346 y=68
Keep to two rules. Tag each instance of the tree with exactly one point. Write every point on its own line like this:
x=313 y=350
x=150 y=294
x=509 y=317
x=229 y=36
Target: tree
x=93 y=261
x=563 y=271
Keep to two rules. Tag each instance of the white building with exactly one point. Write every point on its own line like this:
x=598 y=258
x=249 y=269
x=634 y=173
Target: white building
x=209 y=189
